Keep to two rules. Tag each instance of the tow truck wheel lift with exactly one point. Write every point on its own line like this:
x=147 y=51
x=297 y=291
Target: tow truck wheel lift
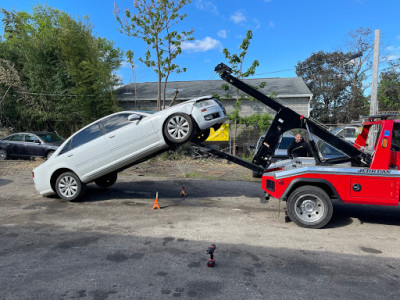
x=310 y=185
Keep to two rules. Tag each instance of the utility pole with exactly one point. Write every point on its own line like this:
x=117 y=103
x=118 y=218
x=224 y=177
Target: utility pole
x=373 y=110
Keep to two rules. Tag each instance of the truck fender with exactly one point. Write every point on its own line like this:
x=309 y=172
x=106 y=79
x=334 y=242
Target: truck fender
x=322 y=183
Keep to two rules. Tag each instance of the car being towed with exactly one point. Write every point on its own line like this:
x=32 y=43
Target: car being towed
x=100 y=150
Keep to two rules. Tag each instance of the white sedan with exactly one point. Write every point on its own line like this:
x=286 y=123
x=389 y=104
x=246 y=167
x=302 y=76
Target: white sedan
x=100 y=150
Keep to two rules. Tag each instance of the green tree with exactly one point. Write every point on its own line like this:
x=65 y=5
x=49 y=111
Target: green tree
x=325 y=75
x=338 y=79
x=66 y=72
x=152 y=21
x=389 y=90
x=236 y=62
x=360 y=41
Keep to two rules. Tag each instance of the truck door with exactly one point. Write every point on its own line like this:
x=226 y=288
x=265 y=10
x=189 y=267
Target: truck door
x=33 y=146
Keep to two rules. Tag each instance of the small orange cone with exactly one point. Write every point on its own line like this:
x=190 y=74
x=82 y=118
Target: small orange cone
x=183 y=192
x=156 y=202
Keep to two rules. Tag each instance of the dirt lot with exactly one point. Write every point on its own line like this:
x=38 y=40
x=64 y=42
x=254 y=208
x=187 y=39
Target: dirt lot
x=210 y=168
x=112 y=245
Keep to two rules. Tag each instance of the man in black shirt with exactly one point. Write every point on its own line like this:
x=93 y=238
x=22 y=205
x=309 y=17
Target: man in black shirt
x=299 y=147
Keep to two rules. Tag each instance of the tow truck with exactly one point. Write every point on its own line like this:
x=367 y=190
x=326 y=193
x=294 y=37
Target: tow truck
x=310 y=185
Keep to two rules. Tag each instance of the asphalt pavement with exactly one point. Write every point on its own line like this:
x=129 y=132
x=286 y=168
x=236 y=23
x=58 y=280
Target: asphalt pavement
x=112 y=245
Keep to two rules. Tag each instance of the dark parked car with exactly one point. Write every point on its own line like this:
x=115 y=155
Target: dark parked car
x=29 y=144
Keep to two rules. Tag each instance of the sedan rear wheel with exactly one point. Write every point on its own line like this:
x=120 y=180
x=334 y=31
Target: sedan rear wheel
x=69 y=186
x=106 y=180
x=178 y=128
x=3 y=154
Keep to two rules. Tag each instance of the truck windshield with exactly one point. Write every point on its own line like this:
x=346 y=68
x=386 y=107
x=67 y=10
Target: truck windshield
x=396 y=137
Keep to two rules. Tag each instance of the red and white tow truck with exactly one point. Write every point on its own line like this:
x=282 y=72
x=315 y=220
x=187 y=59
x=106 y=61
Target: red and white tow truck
x=310 y=185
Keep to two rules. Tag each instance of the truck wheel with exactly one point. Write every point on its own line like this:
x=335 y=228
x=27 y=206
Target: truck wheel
x=106 y=180
x=309 y=207
x=178 y=128
x=69 y=186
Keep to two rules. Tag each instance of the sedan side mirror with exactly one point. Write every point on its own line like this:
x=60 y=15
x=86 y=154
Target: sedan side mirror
x=135 y=117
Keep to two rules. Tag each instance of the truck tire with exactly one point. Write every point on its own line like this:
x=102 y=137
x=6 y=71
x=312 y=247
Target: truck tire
x=106 y=180
x=69 y=186
x=310 y=207
x=178 y=128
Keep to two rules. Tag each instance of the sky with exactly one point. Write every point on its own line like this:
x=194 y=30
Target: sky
x=284 y=31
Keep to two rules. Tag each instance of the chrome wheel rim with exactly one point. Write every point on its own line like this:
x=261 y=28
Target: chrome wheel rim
x=50 y=154
x=68 y=186
x=309 y=208
x=178 y=127
x=2 y=155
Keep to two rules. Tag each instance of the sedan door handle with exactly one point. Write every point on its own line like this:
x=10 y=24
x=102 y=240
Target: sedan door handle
x=69 y=155
x=111 y=135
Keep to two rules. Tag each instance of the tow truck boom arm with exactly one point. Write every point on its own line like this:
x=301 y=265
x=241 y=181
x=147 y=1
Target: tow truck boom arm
x=286 y=119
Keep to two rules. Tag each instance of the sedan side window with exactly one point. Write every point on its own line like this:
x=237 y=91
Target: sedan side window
x=86 y=135
x=31 y=139
x=116 y=121
x=17 y=138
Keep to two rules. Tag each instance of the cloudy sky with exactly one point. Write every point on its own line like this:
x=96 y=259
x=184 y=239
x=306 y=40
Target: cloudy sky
x=284 y=31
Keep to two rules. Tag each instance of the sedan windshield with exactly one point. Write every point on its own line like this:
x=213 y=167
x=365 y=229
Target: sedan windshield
x=51 y=137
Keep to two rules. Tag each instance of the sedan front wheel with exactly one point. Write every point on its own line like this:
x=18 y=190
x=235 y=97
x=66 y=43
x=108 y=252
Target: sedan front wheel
x=69 y=186
x=178 y=128
x=3 y=154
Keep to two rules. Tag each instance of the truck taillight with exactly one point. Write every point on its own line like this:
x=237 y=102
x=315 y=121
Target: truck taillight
x=270 y=185
x=33 y=174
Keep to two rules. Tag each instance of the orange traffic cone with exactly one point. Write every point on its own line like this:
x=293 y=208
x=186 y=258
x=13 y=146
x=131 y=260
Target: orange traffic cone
x=183 y=192
x=156 y=202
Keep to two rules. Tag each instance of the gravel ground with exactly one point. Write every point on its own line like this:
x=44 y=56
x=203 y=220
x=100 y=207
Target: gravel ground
x=112 y=245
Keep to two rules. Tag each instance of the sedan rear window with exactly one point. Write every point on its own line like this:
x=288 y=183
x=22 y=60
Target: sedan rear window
x=29 y=138
x=50 y=137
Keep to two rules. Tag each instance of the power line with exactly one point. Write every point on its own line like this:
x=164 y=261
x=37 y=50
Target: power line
x=273 y=72
x=58 y=95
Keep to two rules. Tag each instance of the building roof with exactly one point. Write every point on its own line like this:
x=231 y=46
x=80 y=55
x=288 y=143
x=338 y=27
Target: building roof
x=284 y=87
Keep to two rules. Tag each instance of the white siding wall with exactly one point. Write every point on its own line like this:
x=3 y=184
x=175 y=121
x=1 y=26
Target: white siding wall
x=247 y=108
